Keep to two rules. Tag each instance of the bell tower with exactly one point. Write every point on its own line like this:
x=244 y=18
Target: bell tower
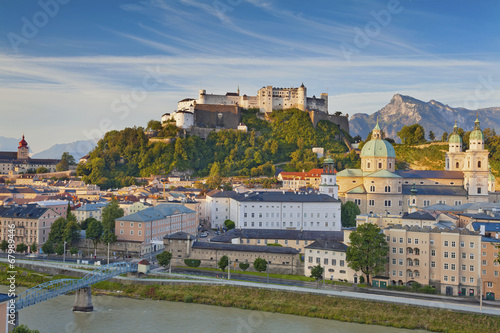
x=328 y=184
x=23 y=150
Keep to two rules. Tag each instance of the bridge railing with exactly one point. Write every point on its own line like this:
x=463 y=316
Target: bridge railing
x=51 y=289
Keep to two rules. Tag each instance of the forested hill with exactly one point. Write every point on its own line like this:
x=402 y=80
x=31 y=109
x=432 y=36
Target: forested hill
x=123 y=155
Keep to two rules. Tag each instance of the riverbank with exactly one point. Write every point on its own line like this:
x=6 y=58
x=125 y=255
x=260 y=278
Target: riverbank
x=302 y=304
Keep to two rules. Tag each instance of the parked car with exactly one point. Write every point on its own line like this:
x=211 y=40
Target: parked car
x=204 y=234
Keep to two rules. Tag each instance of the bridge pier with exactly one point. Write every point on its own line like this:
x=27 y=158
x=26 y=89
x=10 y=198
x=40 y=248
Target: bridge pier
x=83 y=300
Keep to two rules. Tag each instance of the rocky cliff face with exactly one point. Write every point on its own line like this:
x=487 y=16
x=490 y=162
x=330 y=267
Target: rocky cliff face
x=433 y=116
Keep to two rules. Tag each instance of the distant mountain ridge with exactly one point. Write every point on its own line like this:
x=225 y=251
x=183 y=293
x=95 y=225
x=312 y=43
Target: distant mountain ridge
x=433 y=116
x=9 y=144
x=78 y=149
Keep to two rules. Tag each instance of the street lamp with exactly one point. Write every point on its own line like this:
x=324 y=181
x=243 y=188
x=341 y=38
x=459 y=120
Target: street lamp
x=64 y=253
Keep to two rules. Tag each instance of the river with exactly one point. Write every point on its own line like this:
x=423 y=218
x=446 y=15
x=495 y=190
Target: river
x=120 y=315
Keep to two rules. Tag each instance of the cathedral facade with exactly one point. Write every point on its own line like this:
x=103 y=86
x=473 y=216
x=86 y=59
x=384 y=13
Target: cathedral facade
x=381 y=189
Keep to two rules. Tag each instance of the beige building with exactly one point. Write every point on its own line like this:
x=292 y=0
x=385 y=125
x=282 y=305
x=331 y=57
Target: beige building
x=31 y=223
x=282 y=260
x=378 y=188
x=90 y=210
x=419 y=218
x=150 y=225
x=331 y=255
x=448 y=259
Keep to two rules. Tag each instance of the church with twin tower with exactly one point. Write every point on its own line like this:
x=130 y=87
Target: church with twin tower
x=377 y=187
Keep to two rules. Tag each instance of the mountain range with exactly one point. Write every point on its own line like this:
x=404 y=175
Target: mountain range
x=78 y=148
x=433 y=116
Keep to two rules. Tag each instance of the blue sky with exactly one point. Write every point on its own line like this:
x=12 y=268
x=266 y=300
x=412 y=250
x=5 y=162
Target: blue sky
x=72 y=69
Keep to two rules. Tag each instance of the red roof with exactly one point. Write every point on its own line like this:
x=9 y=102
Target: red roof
x=23 y=143
x=314 y=173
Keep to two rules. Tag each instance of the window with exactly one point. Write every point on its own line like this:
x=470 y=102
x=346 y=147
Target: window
x=452 y=278
x=387 y=203
x=471 y=245
x=446 y=254
x=341 y=263
x=139 y=233
x=471 y=256
x=400 y=262
x=357 y=201
x=416 y=240
x=427 y=203
x=387 y=189
x=371 y=202
x=453 y=267
x=334 y=262
x=471 y=268
x=121 y=231
x=372 y=188
x=445 y=278
x=478 y=190
x=394 y=250
x=401 y=240
x=431 y=242
x=401 y=251
x=484 y=262
x=446 y=266
x=433 y=264
x=121 y=224
x=310 y=259
x=453 y=255
x=409 y=241
x=471 y=280
x=464 y=267
x=445 y=243
x=394 y=239
x=131 y=232
x=433 y=253
x=464 y=255
x=325 y=261
x=490 y=284
x=318 y=260
x=463 y=279
x=462 y=244
x=394 y=261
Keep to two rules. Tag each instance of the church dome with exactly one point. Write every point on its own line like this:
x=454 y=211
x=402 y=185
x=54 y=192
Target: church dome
x=476 y=134
x=455 y=138
x=378 y=148
x=23 y=143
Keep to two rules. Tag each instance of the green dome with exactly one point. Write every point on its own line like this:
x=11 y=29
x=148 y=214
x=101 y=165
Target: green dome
x=476 y=134
x=378 y=148
x=455 y=138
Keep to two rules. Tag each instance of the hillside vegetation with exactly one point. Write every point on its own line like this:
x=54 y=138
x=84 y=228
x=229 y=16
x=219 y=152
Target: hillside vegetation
x=121 y=156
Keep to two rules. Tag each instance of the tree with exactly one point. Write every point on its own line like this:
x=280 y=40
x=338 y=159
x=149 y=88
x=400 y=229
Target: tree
x=85 y=223
x=229 y=224
x=223 y=263
x=73 y=250
x=48 y=247
x=154 y=125
x=94 y=232
x=215 y=178
x=71 y=232
x=57 y=229
x=432 y=136
x=60 y=248
x=66 y=161
x=317 y=272
x=24 y=329
x=42 y=170
x=164 y=258
x=4 y=246
x=368 y=250
x=244 y=266
x=109 y=214
x=34 y=247
x=444 y=137
x=260 y=264
x=21 y=248
x=348 y=212
x=412 y=135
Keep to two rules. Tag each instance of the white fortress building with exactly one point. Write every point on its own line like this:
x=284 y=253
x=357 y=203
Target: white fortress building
x=267 y=99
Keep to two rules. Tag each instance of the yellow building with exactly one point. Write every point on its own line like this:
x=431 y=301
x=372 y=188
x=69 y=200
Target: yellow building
x=379 y=188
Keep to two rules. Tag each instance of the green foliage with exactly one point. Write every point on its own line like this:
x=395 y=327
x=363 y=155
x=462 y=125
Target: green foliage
x=66 y=161
x=110 y=213
x=34 y=247
x=431 y=157
x=223 y=263
x=94 y=232
x=164 y=258
x=24 y=329
x=317 y=272
x=21 y=248
x=412 y=135
x=73 y=250
x=274 y=244
x=108 y=237
x=57 y=230
x=4 y=245
x=229 y=224
x=348 y=213
x=244 y=266
x=260 y=264
x=361 y=279
x=154 y=125
x=121 y=156
x=85 y=223
x=432 y=136
x=42 y=170
x=71 y=232
x=444 y=137
x=48 y=247
x=60 y=248
x=368 y=250
x=192 y=262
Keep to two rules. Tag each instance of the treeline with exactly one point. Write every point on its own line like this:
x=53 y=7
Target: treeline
x=121 y=156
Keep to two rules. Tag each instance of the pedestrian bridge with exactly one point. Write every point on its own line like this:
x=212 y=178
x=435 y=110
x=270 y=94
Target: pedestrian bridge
x=54 y=288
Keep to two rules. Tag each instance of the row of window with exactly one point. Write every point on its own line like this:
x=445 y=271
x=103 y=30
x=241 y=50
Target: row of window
x=284 y=224
x=326 y=261
x=284 y=215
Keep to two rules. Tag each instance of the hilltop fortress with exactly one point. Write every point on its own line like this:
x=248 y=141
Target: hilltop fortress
x=212 y=112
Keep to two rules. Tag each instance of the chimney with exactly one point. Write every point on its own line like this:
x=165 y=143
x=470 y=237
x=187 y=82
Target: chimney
x=482 y=229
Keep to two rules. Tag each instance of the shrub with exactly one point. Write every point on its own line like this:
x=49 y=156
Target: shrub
x=361 y=279
x=244 y=266
x=275 y=244
x=188 y=299
x=192 y=262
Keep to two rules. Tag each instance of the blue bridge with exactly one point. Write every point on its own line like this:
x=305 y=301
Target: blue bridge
x=54 y=288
